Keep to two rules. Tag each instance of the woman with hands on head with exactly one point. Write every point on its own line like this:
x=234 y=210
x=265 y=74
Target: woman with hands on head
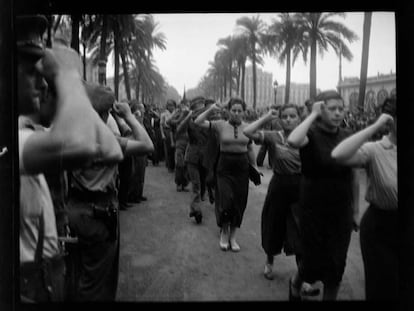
x=279 y=220
x=236 y=153
x=379 y=224
x=328 y=197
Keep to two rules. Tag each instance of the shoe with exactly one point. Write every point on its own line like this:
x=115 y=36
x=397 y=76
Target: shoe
x=184 y=189
x=234 y=246
x=203 y=198
x=268 y=271
x=179 y=189
x=307 y=290
x=294 y=292
x=142 y=198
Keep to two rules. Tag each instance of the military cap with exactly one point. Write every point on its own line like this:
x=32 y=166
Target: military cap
x=29 y=35
x=101 y=97
x=197 y=103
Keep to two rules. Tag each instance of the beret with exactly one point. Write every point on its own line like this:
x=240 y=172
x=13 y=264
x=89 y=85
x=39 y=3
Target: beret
x=101 y=97
x=29 y=35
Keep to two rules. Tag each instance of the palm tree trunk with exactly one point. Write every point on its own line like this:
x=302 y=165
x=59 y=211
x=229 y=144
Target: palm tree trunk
x=254 y=82
x=84 y=60
x=102 y=51
x=116 y=65
x=242 y=80
x=49 y=31
x=230 y=79
x=364 y=60
x=74 y=43
x=238 y=78
x=125 y=70
x=287 y=92
x=312 y=79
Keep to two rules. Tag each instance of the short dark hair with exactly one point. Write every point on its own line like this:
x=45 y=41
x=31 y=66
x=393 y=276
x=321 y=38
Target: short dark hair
x=390 y=106
x=327 y=95
x=290 y=105
x=236 y=100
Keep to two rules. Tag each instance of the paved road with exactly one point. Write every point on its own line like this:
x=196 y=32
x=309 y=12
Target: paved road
x=166 y=256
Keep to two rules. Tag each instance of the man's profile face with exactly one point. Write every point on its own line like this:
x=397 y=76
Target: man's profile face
x=29 y=86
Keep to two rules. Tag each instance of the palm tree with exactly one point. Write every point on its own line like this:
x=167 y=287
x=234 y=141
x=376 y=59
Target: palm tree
x=241 y=48
x=282 y=39
x=364 y=60
x=253 y=29
x=320 y=32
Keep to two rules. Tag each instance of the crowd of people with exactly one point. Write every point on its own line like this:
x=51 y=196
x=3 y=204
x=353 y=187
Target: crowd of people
x=83 y=156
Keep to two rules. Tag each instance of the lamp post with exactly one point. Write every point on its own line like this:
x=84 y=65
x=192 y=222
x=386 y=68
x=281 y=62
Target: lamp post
x=275 y=84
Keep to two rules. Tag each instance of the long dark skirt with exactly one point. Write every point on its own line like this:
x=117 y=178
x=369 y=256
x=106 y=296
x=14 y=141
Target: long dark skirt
x=279 y=221
x=380 y=248
x=232 y=188
x=325 y=229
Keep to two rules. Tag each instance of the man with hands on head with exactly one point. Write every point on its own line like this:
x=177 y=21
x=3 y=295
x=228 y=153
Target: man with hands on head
x=93 y=204
x=76 y=135
x=379 y=225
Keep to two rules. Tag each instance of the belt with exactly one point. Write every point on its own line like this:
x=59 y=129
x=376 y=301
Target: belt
x=92 y=196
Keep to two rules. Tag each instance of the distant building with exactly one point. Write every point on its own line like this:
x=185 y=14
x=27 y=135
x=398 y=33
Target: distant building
x=264 y=88
x=378 y=88
x=299 y=93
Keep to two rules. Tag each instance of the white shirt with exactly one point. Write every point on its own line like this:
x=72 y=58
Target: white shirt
x=35 y=202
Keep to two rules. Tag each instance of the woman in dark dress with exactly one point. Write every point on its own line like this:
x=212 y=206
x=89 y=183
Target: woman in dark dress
x=326 y=197
x=278 y=223
x=236 y=152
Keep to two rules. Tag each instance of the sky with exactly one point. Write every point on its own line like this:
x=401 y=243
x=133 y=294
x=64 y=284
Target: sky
x=192 y=43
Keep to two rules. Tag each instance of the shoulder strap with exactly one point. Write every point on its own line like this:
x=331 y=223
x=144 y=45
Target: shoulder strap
x=40 y=240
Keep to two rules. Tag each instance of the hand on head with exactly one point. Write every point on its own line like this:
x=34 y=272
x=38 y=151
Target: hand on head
x=274 y=113
x=317 y=107
x=57 y=60
x=385 y=119
x=122 y=109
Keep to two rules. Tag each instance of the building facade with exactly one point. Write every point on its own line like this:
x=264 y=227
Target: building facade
x=377 y=89
x=299 y=93
x=264 y=88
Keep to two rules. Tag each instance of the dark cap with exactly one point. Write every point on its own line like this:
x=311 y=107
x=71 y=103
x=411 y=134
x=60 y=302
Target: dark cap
x=29 y=35
x=101 y=97
x=197 y=103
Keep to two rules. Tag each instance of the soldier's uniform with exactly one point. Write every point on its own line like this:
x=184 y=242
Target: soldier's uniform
x=197 y=141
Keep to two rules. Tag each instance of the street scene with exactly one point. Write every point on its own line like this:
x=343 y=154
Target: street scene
x=215 y=157
x=165 y=256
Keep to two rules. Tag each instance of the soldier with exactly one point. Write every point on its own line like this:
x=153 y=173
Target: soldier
x=93 y=204
x=77 y=136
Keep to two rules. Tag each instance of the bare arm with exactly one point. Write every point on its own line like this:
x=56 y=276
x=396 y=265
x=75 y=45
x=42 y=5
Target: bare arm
x=142 y=143
x=251 y=155
x=77 y=133
x=251 y=130
x=298 y=137
x=201 y=120
x=346 y=152
x=184 y=121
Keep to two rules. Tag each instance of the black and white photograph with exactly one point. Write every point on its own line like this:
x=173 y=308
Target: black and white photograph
x=180 y=157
